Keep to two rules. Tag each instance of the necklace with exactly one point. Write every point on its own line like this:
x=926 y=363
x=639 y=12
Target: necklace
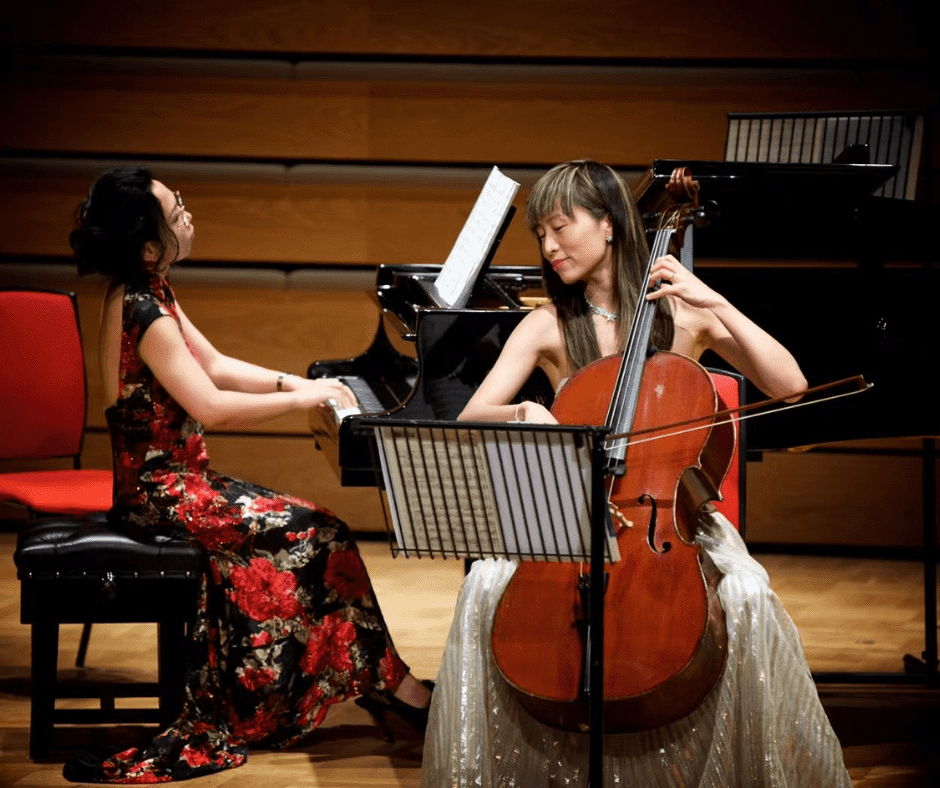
x=598 y=310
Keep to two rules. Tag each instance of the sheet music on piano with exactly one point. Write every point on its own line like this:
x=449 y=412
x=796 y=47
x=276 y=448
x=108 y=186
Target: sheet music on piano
x=453 y=285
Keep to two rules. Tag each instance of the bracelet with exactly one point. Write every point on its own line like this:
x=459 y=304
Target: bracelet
x=280 y=381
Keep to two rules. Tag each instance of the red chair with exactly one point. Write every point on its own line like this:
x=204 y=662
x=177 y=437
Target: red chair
x=43 y=396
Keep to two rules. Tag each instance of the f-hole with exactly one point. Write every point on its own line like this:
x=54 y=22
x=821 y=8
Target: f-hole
x=651 y=533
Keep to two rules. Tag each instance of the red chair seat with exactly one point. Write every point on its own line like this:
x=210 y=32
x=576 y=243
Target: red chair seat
x=70 y=492
x=43 y=401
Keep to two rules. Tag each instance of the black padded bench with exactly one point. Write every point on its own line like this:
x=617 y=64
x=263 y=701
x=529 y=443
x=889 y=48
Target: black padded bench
x=81 y=571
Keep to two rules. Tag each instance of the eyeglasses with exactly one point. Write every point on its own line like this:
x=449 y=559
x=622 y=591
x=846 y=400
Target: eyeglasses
x=179 y=201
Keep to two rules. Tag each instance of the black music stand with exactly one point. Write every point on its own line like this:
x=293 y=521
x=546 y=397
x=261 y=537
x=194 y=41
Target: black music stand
x=474 y=490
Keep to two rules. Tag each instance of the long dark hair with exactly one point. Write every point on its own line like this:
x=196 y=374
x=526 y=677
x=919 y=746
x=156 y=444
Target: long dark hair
x=114 y=223
x=598 y=190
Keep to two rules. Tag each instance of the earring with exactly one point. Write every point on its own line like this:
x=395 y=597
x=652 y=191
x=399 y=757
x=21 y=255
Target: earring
x=610 y=239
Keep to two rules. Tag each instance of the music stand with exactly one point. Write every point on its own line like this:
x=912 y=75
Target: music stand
x=532 y=492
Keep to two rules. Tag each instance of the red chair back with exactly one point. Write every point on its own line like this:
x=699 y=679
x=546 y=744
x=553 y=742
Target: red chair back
x=730 y=388
x=42 y=375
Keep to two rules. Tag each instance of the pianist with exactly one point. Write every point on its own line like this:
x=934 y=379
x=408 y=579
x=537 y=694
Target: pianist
x=763 y=723
x=288 y=623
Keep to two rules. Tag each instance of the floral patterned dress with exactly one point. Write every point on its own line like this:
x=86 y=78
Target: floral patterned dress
x=287 y=621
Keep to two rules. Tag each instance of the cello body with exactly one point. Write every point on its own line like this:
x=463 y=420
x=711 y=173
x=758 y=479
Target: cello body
x=665 y=640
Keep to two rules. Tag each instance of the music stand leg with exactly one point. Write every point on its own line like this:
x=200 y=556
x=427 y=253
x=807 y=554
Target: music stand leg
x=596 y=634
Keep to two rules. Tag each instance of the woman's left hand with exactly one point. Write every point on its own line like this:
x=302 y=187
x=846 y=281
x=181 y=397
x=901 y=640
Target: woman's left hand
x=677 y=280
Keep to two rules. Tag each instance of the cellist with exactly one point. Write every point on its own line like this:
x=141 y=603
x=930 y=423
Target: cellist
x=763 y=724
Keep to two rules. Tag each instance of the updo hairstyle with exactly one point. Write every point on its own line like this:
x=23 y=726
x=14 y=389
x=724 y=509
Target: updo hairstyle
x=116 y=220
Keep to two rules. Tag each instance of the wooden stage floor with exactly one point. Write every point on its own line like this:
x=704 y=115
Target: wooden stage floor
x=853 y=615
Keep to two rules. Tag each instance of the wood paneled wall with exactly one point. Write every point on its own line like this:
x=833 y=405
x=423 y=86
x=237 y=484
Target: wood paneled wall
x=419 y=112
x=315 y=139
x=722 y=29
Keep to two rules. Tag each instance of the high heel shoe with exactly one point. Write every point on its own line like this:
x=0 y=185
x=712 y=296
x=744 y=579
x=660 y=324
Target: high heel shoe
x=416 y=717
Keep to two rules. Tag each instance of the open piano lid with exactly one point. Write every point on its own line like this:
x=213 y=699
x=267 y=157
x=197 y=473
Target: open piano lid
x=770 y=209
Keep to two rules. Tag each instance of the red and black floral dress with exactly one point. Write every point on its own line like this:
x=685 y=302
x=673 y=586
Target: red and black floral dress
x=287 y=623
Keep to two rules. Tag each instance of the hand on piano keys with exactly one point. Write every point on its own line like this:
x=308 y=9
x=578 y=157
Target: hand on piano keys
x=361 y=400
x=337 y=412
x=329 y=394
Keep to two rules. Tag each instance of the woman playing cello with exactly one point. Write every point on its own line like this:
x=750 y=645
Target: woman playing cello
x=763 y=723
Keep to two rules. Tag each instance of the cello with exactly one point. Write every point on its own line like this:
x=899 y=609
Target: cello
x=665 y=638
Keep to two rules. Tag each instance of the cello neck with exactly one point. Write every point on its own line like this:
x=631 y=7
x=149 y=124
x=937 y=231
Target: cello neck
x=623 y=403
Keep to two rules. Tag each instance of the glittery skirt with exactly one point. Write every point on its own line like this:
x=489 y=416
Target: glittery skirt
x=763 y=725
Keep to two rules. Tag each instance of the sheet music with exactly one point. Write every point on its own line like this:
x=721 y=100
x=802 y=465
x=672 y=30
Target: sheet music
x=478 y=493
x=542 y=484
x=444 y=504
x=463 y=264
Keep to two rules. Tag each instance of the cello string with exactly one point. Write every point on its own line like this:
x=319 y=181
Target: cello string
x=622 y=407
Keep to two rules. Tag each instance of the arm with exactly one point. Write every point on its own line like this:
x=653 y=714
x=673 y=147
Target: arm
x=164 y=350
x=528 y=346
x=723 y=328
x=231 y=374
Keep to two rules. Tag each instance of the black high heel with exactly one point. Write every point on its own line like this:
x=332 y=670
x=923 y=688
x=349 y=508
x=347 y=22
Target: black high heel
x=416 y=717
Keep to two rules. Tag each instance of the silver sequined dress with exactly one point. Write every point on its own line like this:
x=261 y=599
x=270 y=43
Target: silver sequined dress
x=762 y=726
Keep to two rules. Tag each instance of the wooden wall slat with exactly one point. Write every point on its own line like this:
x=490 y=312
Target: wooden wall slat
x=525 y=28
x=837 y=499
x=271 y=223
x=626 y=117
x=229 y=117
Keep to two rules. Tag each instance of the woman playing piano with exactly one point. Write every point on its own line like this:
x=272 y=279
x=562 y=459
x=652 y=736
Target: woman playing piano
x=763 y=723
x=288 y=623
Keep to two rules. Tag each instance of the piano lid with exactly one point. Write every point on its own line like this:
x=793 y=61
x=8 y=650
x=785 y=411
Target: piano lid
x=778 y=210
x=841 y=182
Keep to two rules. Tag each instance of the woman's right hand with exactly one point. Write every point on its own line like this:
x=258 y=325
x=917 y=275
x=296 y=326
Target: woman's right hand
x=323 y=392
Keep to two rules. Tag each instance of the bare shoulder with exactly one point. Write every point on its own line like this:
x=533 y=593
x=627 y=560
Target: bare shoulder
x=541 y=323
x=540 y=333
x=539 y=340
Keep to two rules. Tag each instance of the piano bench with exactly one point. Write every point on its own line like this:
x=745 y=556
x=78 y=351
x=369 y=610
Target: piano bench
x=80 y=571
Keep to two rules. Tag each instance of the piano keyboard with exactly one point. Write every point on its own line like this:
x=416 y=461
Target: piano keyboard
x=368 y=402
